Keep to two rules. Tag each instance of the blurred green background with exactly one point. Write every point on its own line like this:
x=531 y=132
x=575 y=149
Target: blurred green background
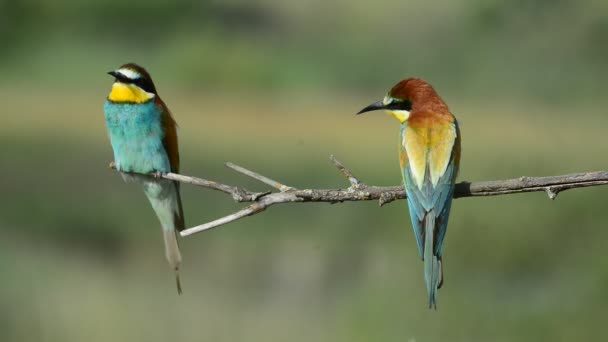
x=273 y=86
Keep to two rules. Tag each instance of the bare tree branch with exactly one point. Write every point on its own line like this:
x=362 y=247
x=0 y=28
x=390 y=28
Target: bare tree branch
x=238 y=194
x=259 y=177
x=359 y=191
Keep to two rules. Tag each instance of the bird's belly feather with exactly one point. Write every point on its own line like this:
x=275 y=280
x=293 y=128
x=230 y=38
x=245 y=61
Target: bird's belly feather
x=136 y=135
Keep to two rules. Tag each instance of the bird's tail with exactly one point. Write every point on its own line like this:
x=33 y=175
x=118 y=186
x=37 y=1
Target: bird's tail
x=165 y=199
x=173 y=254
x=433 y=273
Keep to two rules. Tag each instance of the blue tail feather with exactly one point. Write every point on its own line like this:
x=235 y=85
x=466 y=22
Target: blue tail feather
x=432 y=262
x=165 y=199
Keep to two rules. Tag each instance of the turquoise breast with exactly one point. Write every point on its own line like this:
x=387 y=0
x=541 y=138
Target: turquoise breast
x=136 y=135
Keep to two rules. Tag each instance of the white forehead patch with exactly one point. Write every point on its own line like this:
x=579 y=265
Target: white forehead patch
x=130 y=74
x=387 y=99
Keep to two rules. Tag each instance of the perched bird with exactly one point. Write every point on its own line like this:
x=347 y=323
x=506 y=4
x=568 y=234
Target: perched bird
x=429 y=155
x=143 y=135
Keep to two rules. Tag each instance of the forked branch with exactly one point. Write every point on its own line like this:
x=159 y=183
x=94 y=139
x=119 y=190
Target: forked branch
x=359 y=191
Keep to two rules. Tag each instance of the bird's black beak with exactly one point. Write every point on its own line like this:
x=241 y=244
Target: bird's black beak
x=374 y=106
x=113 y=73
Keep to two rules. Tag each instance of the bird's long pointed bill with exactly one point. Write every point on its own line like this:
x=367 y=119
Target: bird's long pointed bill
x=374 y=106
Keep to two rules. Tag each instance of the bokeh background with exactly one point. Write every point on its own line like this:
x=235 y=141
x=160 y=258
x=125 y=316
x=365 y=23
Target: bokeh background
x=273 y=86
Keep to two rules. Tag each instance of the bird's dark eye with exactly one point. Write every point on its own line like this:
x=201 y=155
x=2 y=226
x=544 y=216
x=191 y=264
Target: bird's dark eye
x=142 y=82
x=146 y=85
x=400 y=105
x=122 y=79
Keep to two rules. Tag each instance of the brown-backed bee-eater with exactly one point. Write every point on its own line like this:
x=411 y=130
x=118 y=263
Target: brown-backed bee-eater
x=143 y=135
x=429 y=155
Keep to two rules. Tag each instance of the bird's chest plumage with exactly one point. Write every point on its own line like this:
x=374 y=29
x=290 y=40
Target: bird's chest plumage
x=137 y=134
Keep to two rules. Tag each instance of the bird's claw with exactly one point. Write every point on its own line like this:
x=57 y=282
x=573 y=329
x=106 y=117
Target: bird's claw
x=157 y=174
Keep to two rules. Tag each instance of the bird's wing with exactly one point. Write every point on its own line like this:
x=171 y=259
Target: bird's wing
x=170 y=138
x=171 y=148
x=446 y=191
x=429 y=159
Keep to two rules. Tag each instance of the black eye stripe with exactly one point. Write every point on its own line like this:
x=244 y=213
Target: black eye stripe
x=400 y=105
x=146 y=85
x=123 y=79
x=143 y=83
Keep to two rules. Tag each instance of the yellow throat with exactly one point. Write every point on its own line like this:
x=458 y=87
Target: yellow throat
x=401 y=115
x=122 y=92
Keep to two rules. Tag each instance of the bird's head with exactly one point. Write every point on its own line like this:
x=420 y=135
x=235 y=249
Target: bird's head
x=132 y=84
x=404 y=96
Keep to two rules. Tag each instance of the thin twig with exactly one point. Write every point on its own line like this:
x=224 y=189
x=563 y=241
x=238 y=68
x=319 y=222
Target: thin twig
x=250 y=210
x=359 y=191
x=259 y=177
x=354 y=181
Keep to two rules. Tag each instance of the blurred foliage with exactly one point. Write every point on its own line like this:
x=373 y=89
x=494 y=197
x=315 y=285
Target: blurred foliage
x=273 y=86
x=536 y=49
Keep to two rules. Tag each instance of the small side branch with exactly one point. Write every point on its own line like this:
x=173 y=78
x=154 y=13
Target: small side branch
x=359 y=191
x=259 y=177
x=354 y=182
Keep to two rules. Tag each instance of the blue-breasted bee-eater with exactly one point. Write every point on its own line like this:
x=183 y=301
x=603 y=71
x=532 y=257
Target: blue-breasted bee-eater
x=429 y=155
x=143 y=135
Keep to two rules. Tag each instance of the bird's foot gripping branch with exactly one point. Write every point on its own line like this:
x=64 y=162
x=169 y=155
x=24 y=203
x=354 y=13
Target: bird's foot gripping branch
x=359 y=191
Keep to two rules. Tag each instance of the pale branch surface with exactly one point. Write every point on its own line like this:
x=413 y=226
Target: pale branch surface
x=359 y=191
x=259 y=177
